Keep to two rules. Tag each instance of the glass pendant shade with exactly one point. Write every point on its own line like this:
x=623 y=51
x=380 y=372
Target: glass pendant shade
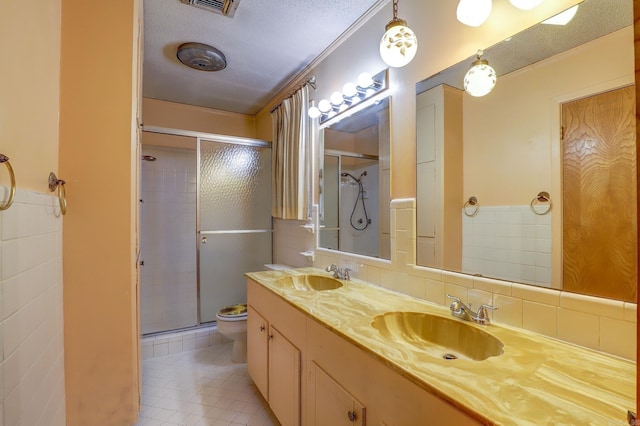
x=562 y=18
x=480 y=79
x=525 y=4
x=399 y=44
x=473 y=12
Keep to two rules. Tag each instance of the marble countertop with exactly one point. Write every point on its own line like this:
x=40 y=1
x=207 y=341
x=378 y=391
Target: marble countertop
x=537 y=380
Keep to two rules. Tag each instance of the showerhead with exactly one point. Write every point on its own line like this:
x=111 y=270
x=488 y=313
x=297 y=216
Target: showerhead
x=148 y=158
x=345 y=174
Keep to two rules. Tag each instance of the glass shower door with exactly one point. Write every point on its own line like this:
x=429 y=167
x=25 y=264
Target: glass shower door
x=234 y=221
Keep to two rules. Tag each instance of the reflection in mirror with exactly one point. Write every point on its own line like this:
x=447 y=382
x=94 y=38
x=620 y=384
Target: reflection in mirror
x=559 y=122
x=354 y=185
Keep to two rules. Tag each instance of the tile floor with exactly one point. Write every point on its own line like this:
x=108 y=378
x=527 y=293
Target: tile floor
x=200 y=388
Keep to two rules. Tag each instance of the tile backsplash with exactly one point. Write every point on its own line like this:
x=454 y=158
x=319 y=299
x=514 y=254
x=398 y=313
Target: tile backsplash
x=601 y=324
x=31 y=316
x=508 y=242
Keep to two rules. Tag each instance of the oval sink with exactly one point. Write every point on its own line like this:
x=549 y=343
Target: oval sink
x=309 y=282
x=442 y=337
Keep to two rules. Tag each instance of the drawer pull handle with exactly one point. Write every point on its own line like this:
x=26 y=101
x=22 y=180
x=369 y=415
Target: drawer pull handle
x=262 y=328
x=352 y=416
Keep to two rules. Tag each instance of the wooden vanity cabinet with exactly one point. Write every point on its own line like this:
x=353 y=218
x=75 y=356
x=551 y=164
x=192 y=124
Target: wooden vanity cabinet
x=258 y=350
x=275 y=339
x=317 y=377
x=330 y=403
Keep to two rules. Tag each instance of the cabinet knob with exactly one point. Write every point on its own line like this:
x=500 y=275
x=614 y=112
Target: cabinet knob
x=271 y=337
x=352 y=416
x=262 y=328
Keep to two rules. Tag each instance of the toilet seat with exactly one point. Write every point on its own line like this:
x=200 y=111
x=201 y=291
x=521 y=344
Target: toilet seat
x=233 y=313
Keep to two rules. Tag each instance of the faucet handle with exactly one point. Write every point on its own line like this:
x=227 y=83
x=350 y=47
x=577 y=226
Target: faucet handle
x=347 y=275
x=331 y=268
x=455 y=305
x=483 y=315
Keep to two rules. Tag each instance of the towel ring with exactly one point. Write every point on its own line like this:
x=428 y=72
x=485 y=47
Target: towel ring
x=54 y=183
x=540 y=199
x=4 y=159
x=473 y=203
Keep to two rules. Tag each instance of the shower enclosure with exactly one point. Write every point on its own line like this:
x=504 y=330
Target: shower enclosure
x=351 y=220
x=205 y=220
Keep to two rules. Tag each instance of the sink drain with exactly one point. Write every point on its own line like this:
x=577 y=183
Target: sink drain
x=449 y=356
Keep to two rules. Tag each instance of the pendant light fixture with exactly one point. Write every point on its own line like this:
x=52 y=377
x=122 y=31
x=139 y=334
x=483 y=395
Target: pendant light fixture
x=525 y=4
x=473 y=12
x=481 y=78
x=562 y=18
x=399 y=43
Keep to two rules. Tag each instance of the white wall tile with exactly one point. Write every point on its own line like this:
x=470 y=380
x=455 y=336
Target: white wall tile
x=32 y=360
x=582 y=320
x=580 y=328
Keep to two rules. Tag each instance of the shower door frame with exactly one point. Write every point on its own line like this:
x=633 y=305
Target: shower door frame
x=209 y=137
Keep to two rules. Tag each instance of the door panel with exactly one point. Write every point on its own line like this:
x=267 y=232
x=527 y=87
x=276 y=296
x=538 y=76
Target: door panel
x=234 y=221
x=599 y=195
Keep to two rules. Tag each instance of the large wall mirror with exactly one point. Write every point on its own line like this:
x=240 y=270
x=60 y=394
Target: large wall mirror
x=536 y=181
x=354 y=192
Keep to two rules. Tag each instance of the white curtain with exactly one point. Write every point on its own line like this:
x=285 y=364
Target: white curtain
x=290 y=157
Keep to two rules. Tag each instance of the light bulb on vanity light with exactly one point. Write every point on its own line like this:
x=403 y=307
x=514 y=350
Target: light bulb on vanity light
x=473 y=12
x=349 y=90
x=481 y=78
x=365 y=80
x=314 y=112
x=399 y=43
x=324 y=106
x=336 y=98
x=525 y=4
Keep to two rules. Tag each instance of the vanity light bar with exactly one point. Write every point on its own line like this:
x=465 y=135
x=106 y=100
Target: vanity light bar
x=365 y=87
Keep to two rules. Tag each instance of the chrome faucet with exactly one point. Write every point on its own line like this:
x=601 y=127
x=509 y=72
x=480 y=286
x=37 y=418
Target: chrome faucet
x=342 y=274
x=462 y=311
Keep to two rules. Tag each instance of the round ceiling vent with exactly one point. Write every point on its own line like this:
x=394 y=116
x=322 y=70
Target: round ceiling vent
x=201 y=57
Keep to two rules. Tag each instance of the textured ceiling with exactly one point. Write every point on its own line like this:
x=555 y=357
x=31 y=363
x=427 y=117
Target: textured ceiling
x=266 y=43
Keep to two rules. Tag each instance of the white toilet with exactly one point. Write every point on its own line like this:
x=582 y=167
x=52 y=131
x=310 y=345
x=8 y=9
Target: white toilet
x=232 y=324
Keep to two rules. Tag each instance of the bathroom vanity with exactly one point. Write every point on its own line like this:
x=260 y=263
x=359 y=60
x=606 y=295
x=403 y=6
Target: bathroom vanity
x=324 y=351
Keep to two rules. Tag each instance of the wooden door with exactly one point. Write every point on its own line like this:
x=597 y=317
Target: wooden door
x=257 y=350
x=333 y=405
x=284 y=378
x=599 y=195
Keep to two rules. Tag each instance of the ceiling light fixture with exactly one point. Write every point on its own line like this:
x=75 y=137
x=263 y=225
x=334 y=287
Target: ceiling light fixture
x=365 y=87
x=562 y=18
x=201 y=57
x=473 y=12
x=481 y=78
x=526 y=4
x=399 y=43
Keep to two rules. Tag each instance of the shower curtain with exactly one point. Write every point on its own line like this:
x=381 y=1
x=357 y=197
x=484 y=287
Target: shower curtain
x=291 y=159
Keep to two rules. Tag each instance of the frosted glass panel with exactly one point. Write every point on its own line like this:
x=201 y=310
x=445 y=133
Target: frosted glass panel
x=235 y=187
x=223 y=261
x=235 y=220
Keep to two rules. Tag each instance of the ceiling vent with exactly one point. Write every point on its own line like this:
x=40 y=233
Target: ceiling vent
x=222 y=7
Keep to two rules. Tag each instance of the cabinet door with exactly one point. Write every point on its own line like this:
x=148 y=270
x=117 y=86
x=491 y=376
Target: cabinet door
x=284 y=378
x=257 y=350
x=333 y=405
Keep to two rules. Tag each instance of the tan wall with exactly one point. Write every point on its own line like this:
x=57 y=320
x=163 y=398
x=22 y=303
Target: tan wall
x=187 y=117
x=98 y=159
x=30 y=35
x=510 y=135
x=443 y=41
